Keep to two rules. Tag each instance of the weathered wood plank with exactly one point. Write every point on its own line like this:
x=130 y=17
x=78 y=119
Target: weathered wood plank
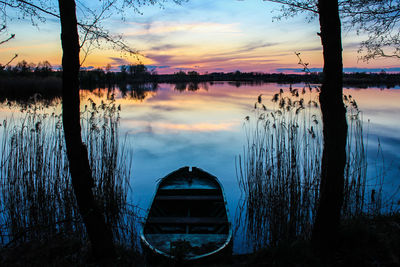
x=193 y=197
x=187 y=181
x=186 y=220
x=197 y=192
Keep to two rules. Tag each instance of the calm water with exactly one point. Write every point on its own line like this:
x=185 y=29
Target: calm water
x=167 y=129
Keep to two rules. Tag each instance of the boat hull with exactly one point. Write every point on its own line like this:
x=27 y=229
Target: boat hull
x=188 y=218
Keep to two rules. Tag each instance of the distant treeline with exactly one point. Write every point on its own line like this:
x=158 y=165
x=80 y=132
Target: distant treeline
x=43 y=77
x=129 y=74
x=350 y=79
x=26 y=80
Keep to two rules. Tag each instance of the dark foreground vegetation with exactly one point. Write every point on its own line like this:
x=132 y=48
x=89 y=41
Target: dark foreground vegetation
x=361 y=242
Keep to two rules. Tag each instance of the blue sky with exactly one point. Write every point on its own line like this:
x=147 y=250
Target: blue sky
x=202 y=35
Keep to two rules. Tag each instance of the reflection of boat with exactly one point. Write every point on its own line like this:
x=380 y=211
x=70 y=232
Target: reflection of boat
x=188 y=218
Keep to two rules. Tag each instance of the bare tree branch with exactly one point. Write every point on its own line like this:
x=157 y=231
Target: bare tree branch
x=89 y=29
x=30 y=5
x=96 y=20
x=303 y=5
x=11 y=60
x=8 y=39
x=379 y=20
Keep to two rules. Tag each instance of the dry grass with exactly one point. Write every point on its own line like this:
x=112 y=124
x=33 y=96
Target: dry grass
x=280 y=168
x=37 y=200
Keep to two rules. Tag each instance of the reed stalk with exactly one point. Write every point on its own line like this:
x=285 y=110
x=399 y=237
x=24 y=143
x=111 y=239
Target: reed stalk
x=37 y=200
x=280 y=168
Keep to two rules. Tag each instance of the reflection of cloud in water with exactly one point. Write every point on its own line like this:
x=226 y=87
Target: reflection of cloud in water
x=387 y=141
x=135 y=120
x=200 y=127
x=383 y=138
x=162 y=95
x=163 y=127
x=166 y=108
x=383 y=162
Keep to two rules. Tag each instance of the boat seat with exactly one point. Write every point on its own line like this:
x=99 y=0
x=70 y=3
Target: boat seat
x=191 y=197
x=186 y=220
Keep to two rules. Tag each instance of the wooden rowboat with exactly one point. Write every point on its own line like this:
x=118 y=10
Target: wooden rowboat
x=188 y=218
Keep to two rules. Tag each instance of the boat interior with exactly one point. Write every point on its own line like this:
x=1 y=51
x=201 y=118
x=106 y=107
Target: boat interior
x=188 y=206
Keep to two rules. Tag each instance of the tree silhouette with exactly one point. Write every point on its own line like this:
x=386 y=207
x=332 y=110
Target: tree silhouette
x=334 y=127
x=99 y=234
x=333 y=117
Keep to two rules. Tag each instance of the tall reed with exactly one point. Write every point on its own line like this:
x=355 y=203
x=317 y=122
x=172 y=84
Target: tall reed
x=37 y=200
x=279 y=171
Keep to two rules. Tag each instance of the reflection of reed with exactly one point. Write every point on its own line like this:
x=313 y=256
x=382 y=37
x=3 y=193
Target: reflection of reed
x=279 y=171
x=37 y=201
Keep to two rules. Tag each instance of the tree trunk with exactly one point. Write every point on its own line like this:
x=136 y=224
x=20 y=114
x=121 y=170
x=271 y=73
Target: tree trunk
x=99 y=234
x=334 y=128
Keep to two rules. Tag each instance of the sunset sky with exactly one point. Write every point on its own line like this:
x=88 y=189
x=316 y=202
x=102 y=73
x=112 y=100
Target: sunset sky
x=206 y=36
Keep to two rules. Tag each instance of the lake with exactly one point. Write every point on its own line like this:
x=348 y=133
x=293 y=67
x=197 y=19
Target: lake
x=202 y=125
